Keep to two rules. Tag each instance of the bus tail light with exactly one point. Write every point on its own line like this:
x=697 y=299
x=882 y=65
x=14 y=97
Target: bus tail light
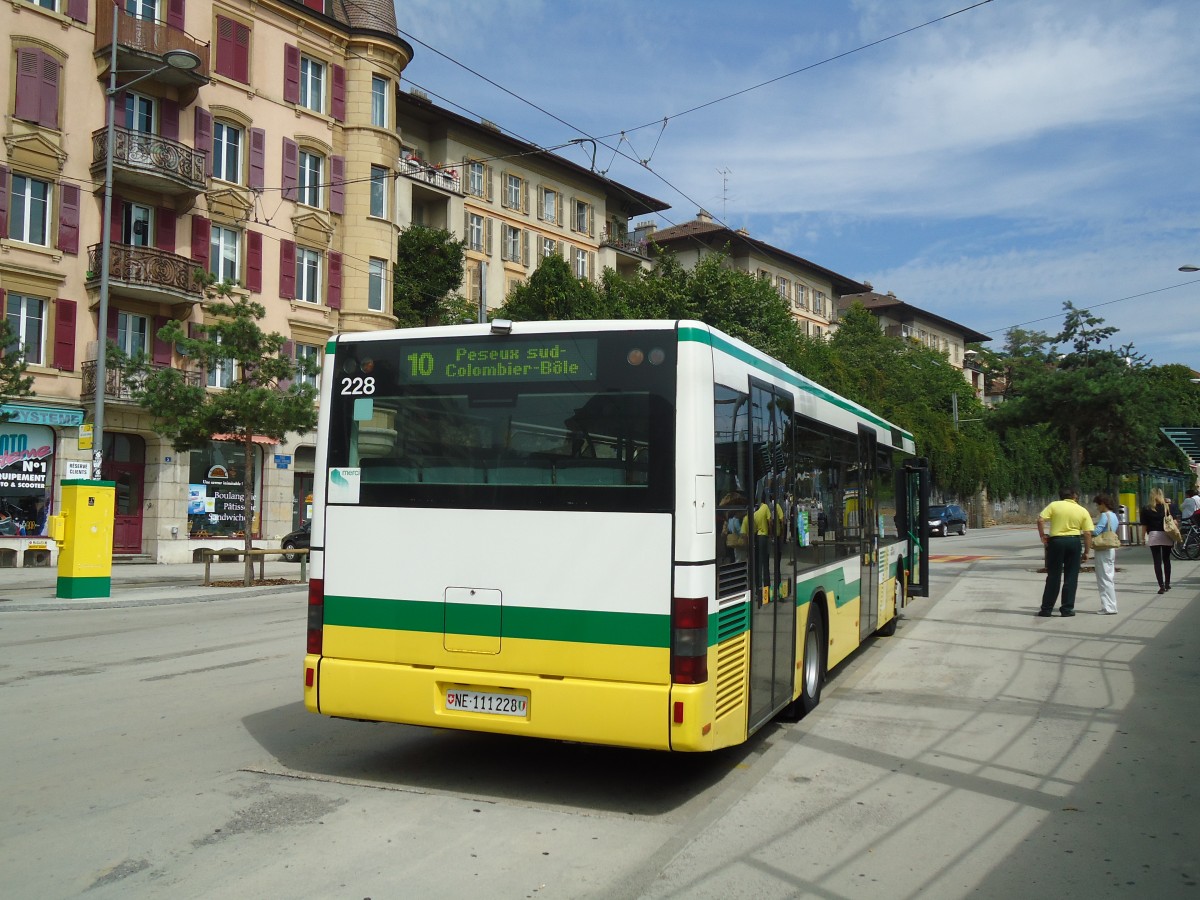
x=316 y=614
x=689 y=640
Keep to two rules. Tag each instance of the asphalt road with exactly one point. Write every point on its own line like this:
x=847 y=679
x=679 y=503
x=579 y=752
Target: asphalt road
x=163 y=751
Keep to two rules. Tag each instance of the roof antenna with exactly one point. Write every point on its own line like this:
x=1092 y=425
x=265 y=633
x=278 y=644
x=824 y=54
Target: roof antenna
x=724 y=173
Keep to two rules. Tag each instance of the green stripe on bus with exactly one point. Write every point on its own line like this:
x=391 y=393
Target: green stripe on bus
x=718 y=342
x=580 y=626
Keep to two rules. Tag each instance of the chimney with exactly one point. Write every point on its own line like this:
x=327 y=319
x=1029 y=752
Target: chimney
x=642 y=231
x=703 y=216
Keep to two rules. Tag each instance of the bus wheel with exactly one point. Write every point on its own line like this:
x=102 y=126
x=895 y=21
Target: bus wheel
x=889 y=628
x=813 y=670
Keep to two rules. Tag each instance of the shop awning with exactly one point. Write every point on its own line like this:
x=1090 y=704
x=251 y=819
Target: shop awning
x=237 y=439
x=1187 y=440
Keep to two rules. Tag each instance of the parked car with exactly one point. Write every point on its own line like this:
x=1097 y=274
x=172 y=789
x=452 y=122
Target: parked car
x=296 y=540
x=947 y=518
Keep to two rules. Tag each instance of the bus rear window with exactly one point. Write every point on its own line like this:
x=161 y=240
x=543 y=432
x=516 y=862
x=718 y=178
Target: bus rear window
x=491 y=423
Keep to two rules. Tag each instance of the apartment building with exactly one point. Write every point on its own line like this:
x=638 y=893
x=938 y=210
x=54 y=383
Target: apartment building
x=810 y=290
x=266 y=159
x=511 y=202
x=903 y=320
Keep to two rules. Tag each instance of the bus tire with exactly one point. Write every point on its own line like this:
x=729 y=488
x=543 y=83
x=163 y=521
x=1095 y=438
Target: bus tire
x=812 y=672
x=889 y=628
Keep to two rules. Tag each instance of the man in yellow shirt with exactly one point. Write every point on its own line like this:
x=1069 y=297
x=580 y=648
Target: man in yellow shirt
x=1067 y=545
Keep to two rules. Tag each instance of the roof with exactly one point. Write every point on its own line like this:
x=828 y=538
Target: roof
x=361 y=16
x=635 y=202
x=906 y=313
x=711 y=233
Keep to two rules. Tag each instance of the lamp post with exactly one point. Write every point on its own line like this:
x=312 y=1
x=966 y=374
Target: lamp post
x=1189 y=268
x=184 y=61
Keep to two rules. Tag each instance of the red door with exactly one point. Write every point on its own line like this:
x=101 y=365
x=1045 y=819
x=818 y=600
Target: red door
x=125 y=466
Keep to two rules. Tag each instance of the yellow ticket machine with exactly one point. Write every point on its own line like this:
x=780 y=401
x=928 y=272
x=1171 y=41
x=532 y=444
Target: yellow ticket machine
x=84 y=533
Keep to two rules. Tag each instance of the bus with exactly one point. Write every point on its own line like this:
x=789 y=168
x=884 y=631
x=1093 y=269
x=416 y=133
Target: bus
x=643 y=534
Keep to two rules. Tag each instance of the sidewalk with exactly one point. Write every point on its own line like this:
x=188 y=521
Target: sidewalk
x=34 y=589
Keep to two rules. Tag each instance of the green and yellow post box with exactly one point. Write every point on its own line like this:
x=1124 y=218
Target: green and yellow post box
x=84 y=533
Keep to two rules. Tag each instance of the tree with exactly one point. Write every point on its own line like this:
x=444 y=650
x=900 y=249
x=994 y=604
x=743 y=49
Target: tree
x=262 y=399
x=13 y=380
x=429 y=271
x=554 y=293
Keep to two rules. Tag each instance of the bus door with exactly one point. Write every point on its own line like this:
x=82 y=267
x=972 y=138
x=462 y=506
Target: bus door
x=912 y=521
x=868 y=521
x=772 y=600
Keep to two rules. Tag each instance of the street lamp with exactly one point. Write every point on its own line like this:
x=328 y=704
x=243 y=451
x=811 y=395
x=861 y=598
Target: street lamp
x=1189 y=268
x=182 y=61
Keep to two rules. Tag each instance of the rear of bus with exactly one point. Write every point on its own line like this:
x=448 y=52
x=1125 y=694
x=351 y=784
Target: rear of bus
x=493 y=537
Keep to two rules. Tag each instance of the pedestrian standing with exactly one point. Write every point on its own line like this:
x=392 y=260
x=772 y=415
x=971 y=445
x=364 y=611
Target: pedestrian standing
x=1104 y=550
x=1191 y=506
x=1157 y=539
x=1067 y=544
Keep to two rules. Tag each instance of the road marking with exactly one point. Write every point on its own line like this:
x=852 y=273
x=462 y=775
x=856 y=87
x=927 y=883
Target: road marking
x=941 y=557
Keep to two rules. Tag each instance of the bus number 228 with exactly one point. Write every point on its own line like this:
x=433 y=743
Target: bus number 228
x=358 y=386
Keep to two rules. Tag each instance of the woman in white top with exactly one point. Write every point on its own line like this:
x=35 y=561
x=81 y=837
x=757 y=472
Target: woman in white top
x=1106 y=559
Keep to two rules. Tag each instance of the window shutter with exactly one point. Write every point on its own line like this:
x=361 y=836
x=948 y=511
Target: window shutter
x=525 y=247
x=287 y=351
x=334 y=295
x=168 y=119
x=254 y=262
x=49 y=91
x=28 y=93
x=467 y=225
x=175 y=14
x=337 y=184
x=487 y=236
x=116 y=222
x=291 y=168
x=3 y=201
x=111 y=331
x=258 y=158
x=164 y=229
x=241 y=56
x=591 y=220
x=524 y=196
x=487 y=181
x=291 y=73
x=195 y=331
x=558 y=209
x=591 y=265
x=64 y=335
x=541 y=203
x=78 y=10
x=201 y=235
x=562 y=250
x=287 y=270
x=204 y=137
x=161 y=348
x=226 y=47
x=338 y=92
x=68 y=218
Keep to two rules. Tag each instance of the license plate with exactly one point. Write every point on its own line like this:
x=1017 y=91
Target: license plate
x=492 y=704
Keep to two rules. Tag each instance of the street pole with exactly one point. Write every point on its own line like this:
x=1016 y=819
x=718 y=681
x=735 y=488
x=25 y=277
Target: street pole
x=105 y=254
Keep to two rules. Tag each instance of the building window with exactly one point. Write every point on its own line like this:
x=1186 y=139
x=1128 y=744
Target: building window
x=548 y=208
x=146 y=10
x=376 y=283
x=227 y=152
x=784 y=287
x=233 y=50
x=549 y=247
x=135 y=225
x=512 y=244
x=223 y=258
x=308 y=275
x=139 y=113
x=582 y=217
x=379 y=92
x=379 y=192
x=581 y=263
x=216 y=482
x=221 y=375
x=29 y=210
x=312 y=84
x=311 y=169
x=514 y=190
x=51 y=5
x=27 y=317
x=475 y=179
x=801 y=296
x=474 y=232
x=133 y=334
x=37 y=83
x=308 y=352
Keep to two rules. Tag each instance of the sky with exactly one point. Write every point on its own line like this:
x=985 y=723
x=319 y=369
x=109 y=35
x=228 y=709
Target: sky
x=986 y=162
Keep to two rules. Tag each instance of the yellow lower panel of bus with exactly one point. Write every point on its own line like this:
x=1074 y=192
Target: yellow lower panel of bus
x=622 y=714
x=559 y=658
x=843 y=632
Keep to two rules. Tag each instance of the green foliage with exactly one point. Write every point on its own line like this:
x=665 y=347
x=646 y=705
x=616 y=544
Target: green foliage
x=14 y=382
x=554 y=293
x=428 y=273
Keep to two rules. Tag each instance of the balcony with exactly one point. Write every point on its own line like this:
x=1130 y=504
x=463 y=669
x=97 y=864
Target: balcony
x=117 y=386
x=150 y=162
x=624 y=243
x=146 y=273
x=442 y=177
x=141 y=45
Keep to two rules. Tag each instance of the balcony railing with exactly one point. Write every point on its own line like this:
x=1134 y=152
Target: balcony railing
x=624 y=242
x=439 y=176
x=151 y=161
x=147 y=273
x=119 y=386
x=148 y=41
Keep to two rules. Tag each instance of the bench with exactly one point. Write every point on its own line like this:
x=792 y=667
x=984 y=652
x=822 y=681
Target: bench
x=229 y=555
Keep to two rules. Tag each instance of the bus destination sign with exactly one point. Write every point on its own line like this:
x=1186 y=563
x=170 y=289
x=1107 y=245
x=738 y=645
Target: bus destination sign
x=556 y=359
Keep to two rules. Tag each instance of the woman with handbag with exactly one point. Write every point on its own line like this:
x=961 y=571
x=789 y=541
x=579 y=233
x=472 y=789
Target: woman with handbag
x=1158 y=538
x=1105 y=542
